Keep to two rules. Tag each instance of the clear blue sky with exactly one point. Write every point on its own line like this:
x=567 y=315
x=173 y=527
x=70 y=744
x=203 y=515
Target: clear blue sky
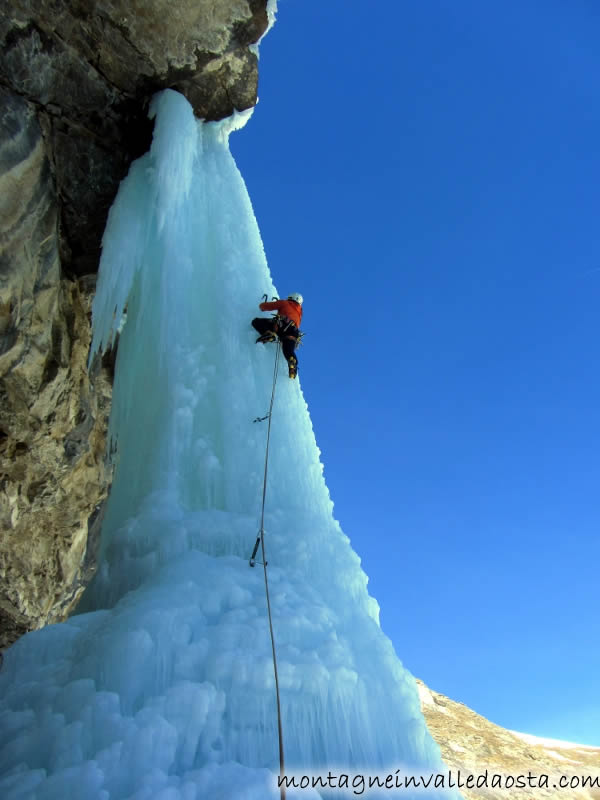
x=427 y=175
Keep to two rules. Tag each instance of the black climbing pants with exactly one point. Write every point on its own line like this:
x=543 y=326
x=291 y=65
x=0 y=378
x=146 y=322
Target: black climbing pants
x=286 y=332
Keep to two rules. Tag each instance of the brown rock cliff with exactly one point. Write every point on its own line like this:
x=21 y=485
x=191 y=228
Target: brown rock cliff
x=76 y=79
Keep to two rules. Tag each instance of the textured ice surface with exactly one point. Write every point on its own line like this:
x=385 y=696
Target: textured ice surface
x=164 y=687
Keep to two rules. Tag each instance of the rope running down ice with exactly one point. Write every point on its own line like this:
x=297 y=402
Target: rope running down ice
x=264 y=560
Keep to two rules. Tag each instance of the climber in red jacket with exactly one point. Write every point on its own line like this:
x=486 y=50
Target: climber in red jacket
x=284 y=326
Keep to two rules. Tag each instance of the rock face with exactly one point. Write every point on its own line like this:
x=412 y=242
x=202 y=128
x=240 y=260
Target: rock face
x=76 y=78
x=52 y=413
x=90 y=68
x=472 y=744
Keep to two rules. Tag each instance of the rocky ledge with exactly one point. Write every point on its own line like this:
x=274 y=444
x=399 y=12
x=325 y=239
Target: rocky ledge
x=89 y=69
x=76 y=79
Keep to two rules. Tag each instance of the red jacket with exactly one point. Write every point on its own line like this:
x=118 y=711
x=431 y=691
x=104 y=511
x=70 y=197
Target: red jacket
x=286 y=308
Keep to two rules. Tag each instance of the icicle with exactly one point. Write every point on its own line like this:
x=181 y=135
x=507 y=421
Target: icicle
x=165 y=687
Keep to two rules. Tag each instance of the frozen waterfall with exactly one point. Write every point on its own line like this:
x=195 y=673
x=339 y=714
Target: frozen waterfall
x=164 y=687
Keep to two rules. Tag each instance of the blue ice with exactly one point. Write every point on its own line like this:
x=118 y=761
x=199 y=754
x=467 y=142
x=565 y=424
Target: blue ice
x=164 y=688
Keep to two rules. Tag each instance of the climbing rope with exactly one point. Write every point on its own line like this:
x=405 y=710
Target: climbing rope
x=261 y=541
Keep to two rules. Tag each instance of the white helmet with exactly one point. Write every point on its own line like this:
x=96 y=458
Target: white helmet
x=297 y=297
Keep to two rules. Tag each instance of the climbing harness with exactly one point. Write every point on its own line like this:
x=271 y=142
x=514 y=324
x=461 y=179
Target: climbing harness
x=282 y=324
x=260 y=541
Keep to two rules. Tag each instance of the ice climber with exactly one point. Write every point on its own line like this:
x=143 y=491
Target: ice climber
x=284 y=326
